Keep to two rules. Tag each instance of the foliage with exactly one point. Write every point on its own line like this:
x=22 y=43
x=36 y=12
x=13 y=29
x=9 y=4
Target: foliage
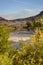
x=29 y=25
x=5 y=60
x=31 y=53
x=37 y=24
x=3 y=38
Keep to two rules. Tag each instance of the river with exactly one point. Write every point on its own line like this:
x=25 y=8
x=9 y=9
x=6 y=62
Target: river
x=15 y=37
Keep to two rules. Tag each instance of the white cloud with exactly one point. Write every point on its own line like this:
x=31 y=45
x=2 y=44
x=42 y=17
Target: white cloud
x=28 y=9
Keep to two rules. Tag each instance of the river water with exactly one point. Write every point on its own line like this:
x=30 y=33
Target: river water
x=23 y=34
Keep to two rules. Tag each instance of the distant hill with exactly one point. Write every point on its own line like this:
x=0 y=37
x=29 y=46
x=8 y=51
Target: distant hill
x=2 y=19
x=20 y=21
x=30 y=18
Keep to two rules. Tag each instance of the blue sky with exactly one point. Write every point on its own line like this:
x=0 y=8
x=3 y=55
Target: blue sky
x=13 y=6
x=7 y=6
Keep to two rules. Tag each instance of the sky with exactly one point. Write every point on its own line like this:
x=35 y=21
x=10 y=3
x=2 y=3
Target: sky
x=20 y=8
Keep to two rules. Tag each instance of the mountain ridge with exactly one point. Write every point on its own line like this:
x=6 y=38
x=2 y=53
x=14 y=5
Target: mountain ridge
x=22 y=19
x=21 y=24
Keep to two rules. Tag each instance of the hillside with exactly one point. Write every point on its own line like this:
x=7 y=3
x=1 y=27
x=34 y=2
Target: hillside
x=24 y=19
x=19 y=23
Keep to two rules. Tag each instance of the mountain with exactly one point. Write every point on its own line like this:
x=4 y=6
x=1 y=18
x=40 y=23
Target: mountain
x=2 y=19
x=21 y=20
x=40 y=14
x=29 y=18
x=21 y=14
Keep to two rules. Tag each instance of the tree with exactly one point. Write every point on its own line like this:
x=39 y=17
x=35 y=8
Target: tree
x=29 y=25
x=4 y=43
x=37 y=23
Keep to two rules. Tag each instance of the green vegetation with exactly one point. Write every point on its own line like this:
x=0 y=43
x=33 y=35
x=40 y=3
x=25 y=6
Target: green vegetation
x=3 y=38
x=30 y=53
